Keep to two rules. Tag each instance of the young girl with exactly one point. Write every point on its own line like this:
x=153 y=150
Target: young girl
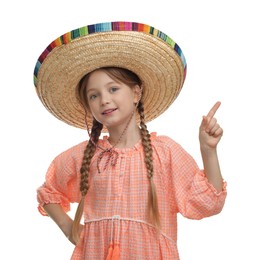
x=130 y=185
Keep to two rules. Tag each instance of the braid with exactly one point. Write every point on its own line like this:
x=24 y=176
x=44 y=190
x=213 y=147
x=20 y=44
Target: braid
x=88 y=154
x=146 y=141
x=84 y=171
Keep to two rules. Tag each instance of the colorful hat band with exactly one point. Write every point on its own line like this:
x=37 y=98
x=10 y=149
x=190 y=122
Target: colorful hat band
x=106 y=27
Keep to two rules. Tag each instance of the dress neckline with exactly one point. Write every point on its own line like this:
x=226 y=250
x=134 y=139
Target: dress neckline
x=138 y=145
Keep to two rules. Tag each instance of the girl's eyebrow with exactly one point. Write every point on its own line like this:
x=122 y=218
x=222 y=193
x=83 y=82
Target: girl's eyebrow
x=91 y=89
x=107 y=84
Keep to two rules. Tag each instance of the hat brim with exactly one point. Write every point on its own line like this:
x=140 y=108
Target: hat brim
x=158 y=61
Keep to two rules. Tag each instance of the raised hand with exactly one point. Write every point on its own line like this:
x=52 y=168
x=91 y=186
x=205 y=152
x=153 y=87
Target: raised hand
x=210 y=131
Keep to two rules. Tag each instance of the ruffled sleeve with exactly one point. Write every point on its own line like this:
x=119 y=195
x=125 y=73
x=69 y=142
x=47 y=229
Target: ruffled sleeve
x=192 y=194
x=202 y=200
x=61 y=184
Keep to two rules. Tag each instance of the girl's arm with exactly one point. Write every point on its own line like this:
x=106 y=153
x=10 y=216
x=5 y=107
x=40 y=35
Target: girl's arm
x=209 y=135
x=59 y=216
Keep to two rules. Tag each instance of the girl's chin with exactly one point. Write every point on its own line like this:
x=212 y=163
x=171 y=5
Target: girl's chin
x=111 y=122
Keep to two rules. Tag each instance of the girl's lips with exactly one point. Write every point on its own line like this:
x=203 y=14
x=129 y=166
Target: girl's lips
x=108 y=111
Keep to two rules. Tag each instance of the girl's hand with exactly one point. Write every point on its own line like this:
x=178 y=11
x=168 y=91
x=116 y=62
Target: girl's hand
x=210 y=131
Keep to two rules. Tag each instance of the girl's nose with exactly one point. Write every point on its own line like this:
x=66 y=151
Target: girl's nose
x=105 y=100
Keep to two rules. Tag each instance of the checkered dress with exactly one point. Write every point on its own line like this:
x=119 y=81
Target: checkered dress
x=116 y=205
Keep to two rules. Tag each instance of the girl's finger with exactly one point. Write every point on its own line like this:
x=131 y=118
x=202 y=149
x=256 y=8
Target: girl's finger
x=213 y=110
x=204 y=123
x=214 y=129
x=218 y=132
x=210 y=125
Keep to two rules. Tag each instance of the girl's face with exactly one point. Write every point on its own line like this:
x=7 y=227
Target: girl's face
x=111 y=102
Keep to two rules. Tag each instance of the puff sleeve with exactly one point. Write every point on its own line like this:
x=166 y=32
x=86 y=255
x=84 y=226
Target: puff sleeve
x=62 y=180
x=191 y=193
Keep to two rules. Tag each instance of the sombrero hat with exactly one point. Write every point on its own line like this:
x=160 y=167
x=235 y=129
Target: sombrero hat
x=146 y=51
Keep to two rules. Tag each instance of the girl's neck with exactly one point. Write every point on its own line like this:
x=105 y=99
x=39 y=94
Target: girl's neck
x=127 y=139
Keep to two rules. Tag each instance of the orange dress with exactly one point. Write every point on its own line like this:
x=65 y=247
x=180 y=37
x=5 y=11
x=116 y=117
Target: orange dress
x=115 y=210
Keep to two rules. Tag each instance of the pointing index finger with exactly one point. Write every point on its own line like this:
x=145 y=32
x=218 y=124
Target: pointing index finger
x=213 y=110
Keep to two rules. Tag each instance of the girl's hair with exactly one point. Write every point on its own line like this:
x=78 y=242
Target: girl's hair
x=131 y=79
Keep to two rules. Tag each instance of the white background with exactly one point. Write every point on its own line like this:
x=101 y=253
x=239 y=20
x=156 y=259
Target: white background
x=220 y=42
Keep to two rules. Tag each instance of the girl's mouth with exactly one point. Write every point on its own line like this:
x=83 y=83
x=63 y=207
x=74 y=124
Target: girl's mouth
x=108 y=111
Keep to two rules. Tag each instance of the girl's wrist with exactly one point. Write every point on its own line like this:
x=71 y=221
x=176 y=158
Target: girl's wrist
x=66 y=226
x=206 y=150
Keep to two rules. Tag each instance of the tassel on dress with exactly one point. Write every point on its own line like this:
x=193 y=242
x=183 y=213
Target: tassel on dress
x=114 y=248
x=110 y=251
x=113 y=252
x=116 y=252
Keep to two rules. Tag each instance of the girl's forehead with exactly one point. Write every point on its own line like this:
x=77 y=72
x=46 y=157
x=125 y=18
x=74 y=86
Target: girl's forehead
x=100 y=78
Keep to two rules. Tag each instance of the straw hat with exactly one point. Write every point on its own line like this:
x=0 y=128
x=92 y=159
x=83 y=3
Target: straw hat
x=148 y=52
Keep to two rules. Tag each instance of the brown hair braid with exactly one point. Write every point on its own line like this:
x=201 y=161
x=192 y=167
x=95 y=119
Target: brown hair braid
x=84 y=171
x=145 y=136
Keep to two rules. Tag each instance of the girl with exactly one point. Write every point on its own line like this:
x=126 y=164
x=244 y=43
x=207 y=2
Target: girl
x=130 y=185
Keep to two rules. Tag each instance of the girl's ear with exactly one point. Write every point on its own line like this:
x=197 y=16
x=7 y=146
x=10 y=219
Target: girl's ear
x=137 y=90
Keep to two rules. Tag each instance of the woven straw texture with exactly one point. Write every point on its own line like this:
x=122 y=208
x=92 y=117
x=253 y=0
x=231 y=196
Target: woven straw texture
x=151 y=54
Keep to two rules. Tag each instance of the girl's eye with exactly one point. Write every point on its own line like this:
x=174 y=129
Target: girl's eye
x=92 y=97
x=113 y=89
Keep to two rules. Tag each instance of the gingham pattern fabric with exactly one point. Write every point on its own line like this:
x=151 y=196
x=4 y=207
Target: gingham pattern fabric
x=116 y=203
